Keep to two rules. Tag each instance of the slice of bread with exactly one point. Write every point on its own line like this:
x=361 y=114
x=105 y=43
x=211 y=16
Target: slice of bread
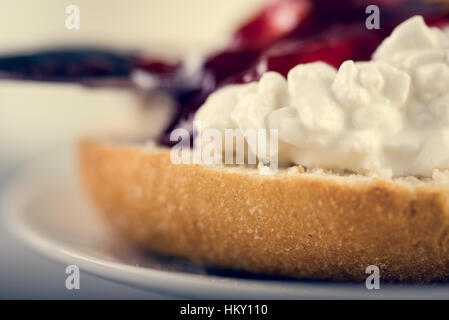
x=312 y=225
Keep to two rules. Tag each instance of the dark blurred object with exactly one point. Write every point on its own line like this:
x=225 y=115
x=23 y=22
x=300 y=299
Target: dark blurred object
x=90 y=66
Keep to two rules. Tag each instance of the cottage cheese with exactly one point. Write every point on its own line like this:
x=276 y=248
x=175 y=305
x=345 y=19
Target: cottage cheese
x=389 y=115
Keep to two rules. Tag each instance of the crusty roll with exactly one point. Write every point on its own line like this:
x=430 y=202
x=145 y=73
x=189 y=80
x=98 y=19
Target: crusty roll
x=313 y=225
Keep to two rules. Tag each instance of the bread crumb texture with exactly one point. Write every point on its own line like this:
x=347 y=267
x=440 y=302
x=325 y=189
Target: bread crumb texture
x=305 y=225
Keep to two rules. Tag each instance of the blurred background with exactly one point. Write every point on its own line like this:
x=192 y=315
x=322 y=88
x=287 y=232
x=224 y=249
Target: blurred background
x=140 y=24
x=35 y=117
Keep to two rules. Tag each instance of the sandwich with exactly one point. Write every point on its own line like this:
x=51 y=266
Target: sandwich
x=350 y=170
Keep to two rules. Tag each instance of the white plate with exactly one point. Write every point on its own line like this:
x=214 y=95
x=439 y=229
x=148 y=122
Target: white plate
x=46 y=208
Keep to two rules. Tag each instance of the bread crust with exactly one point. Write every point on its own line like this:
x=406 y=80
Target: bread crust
x=300 y=225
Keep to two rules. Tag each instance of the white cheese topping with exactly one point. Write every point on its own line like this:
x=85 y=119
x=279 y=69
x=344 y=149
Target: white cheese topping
x=389 y=115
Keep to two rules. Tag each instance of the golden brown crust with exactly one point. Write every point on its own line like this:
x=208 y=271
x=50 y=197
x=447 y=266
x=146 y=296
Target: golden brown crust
x=297 y=225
